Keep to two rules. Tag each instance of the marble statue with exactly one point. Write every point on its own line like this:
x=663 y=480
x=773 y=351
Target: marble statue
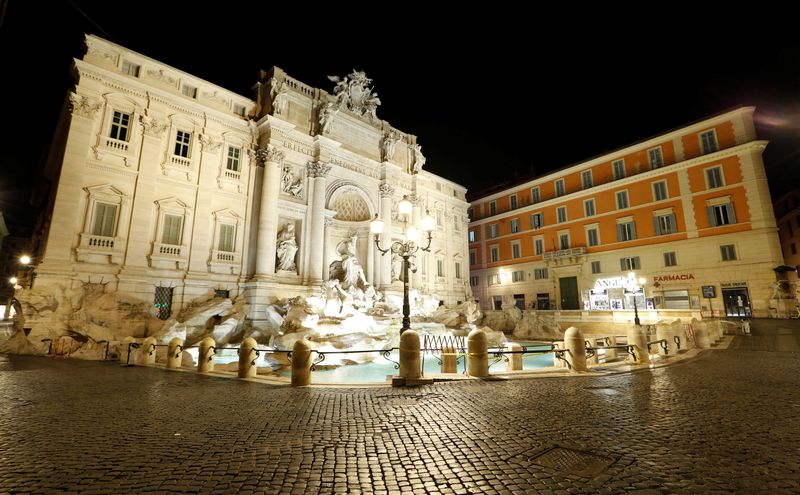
x=354 y=93
x=290 y=185
x=419 y=159
x=287 y=249
x=348 y=270
x=279 y=96
x=389 y=144
x=397 y=267
x=326 y=115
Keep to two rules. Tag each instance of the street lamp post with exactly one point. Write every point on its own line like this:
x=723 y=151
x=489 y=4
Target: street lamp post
x=635 y=283
x=404 y=249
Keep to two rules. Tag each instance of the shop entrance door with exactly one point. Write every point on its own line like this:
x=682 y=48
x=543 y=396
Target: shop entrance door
x=737 y=302
x=569 y=292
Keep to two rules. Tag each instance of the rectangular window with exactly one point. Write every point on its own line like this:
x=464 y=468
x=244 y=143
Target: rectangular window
x=120 y=124
x=440 y=268
x=586 y=179
x=596 y=267
x=513 y=201
x=561 y=214
x=708 y=141
x=723 y=214
x=618 y=167
x=592 y=239
x=222 y=293
x=626 y=231
x=439 y=218
x=234 y=159
x=239 y=109
x=539 y=273
x=518 y=276
x=559 y=187
x=189 y=91
x=473 y=258
x=665 y=224
x=471 y=236
x=535 y=197
x=714 y=177
x=495 y=254
x=655 y=158
x=227 y=237
x=473 y=280
x=538 y=246
x=631 y=263
x=458 y=270
x=494 y=279
x=563 y=241
x=105 y=217
x=515 y=225
x=660 y=190
x=493 y=231
x=516 y=250
x=588 y=208
x=622 y=200
x=471 y=214
x=670 y=259
x=130 y=68
x=182 y=140
x=171 y=233
x=728 y=252
x=536 y=221
x=492 y=208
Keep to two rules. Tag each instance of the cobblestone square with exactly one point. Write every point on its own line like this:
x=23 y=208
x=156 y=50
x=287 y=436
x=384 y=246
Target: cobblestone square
x=724 y=422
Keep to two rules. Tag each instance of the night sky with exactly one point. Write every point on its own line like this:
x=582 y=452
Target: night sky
x=492 y=96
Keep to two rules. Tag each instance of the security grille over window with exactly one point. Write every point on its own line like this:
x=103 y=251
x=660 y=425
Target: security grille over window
x=223 y=293
x=163 y=301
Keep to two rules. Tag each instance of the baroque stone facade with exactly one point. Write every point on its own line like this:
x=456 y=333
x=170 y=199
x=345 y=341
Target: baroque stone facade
x=169 y=190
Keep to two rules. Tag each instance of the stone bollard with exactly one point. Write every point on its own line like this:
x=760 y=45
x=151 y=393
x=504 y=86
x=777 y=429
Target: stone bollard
x=410 y=355
x=591 y=341
x=205 y=358
x=701 y=340
x=247 y=359
x=147 y=353
x=478 y=354
x=664 y=331
x=611 y=354
x=576 y=349
x=301 y=363
x=637 y=337
x=449 y=360
x=514 y=360
x=558 y=363
x=127 y=353
x=174 y=353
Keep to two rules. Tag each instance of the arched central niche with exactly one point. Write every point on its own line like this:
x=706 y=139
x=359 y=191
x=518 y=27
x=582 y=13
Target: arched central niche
x=350 y=203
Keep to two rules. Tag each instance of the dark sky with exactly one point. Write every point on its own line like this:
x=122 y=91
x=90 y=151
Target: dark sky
x=493 y=95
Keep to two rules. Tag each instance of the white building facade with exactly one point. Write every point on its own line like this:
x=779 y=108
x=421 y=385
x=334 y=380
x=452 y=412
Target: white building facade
x=170 y=190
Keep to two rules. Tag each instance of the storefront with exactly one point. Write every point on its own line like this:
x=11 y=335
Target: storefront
x=675 y=291
x=613 y=293
x=736 y=297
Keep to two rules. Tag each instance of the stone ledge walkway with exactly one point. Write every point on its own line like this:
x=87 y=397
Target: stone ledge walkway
x=725 y=422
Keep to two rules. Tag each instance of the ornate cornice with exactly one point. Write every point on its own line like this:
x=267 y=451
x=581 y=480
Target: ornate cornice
x=209 y=145
x=318 y=169
x=386 y=190
x=153 y=127
x=83 y=106
x=269 y=154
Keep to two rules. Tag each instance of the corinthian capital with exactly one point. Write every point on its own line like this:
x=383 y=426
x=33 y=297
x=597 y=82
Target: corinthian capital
x=269 y=154
x=83 y=106
x=318 y=169
x=386 y=190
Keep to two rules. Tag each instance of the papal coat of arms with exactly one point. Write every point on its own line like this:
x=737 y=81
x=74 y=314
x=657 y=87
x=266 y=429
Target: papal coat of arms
x=353 y=92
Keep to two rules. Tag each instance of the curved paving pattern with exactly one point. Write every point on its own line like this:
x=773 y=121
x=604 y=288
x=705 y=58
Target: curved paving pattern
x=724 y=422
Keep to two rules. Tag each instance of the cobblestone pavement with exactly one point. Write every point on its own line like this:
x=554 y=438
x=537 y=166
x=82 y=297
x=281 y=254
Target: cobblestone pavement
x=724 y=422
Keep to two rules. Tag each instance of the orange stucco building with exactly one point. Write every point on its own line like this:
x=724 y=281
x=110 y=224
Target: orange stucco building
x=683 y=210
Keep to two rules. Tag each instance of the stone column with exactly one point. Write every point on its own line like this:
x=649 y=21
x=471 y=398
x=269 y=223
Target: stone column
x=317 y=171
x=271 y=158
x=386 y=192
x=327 y=249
